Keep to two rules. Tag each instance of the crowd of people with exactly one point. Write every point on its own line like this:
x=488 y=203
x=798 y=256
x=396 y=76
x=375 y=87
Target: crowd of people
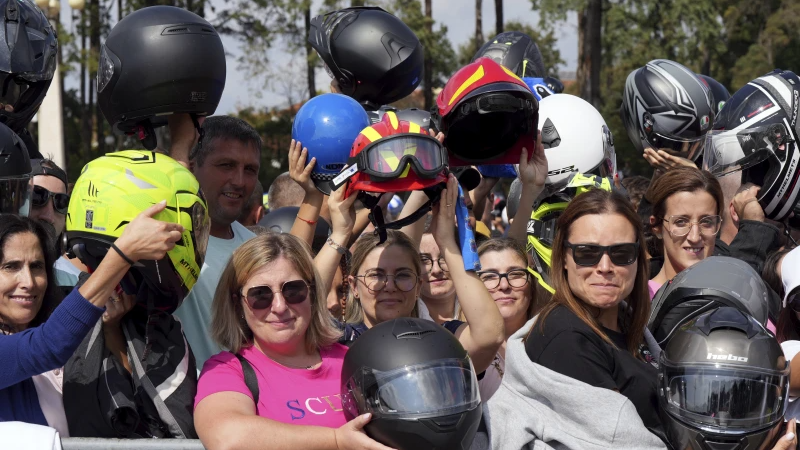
x=391 y=294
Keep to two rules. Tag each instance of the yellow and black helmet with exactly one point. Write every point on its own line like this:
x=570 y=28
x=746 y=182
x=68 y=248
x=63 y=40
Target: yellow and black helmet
x=542 y=226
x=111 y=191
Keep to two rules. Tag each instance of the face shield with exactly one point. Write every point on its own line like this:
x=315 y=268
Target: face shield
x=15 y=195
x=684 y=147
x=729 y=151
x=441 y=387
x=724 y=399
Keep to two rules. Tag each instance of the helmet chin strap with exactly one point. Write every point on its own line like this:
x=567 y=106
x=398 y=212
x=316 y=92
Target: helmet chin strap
x=376 y=213
x=197 y=127
x=147 y=134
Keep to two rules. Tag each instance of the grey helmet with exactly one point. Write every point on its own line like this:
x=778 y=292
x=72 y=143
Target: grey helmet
x=723 y=383
x=711 y=283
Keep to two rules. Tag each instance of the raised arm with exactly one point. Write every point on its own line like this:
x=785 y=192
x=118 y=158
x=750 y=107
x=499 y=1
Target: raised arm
x=306 y=221
x=533 y=174
x=343 y=217
x=49 y=346
x=483 y=333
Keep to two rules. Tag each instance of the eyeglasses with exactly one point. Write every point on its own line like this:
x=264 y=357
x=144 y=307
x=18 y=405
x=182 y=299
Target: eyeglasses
x=516 y=278
x=588 y=255
x=427 y=262
x=681 y=226
x=41 y=196
x=376 y=281
x=293 y=292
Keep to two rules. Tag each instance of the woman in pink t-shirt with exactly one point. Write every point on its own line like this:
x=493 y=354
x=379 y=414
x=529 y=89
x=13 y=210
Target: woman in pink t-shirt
x=270 y=309
x=687 y=214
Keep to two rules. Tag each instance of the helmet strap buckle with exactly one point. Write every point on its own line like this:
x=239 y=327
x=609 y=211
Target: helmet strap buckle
x=146 y=134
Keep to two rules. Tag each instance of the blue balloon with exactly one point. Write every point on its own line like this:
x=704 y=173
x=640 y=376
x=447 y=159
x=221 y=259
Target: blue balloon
x=327 y=125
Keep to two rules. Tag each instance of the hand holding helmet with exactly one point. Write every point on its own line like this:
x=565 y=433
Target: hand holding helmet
x=299 y=171
x=352 y=436
x=443 y=213
x=148 y=238
x=662 y=160
x=533 y=172
x=746 y=205
x=343 y=214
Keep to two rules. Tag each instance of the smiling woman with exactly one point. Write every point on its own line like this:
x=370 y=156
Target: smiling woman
x=687 y=215
x=593 y=328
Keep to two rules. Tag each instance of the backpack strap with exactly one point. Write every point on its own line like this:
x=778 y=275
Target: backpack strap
x=249 y=377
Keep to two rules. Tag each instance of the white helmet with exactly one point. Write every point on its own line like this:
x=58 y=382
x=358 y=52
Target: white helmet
x=575 y=138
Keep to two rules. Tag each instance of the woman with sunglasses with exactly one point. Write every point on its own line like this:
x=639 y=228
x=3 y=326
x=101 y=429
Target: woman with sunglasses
x=504 y=272
x=385 y=283
x=687 y=214
x=593 y=328
x=279 y=385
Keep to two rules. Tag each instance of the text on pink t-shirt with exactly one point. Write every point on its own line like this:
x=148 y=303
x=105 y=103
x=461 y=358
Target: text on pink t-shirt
x=294 y=396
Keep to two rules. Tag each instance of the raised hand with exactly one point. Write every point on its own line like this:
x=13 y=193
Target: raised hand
x=148 y=238
x=299 y=171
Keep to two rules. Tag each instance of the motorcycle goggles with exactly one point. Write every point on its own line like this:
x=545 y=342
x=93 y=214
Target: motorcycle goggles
x=393 y=156
x=434 y=389
x=722 y=398
x=728 y=151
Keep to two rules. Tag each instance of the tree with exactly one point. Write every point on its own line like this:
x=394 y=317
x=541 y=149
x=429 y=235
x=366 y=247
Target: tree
x=478 y=21
x=498 y=16
x=438 y=49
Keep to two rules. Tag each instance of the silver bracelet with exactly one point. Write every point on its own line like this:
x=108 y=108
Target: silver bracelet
x=337 y=247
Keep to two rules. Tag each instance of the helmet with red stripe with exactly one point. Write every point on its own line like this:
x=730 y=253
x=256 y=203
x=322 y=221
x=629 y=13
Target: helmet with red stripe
x=487 y=114
x=755 y=138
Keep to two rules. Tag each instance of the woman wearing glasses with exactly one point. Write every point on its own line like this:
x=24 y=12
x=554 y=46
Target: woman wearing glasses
x=438 y=292
x=593 y=328
x=504 y=273
x=385 y=283
x=279 y=385
x=687 y=207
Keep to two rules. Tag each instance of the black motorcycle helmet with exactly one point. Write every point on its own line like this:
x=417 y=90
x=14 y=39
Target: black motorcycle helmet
x=666 y=106
x=418 y=383
x=718 y=91
x=15 y=174
x=711 y=283
x=517 y=52
x=280 y=220
x=27 y=61
x=373 y=56
x=157 y=61
x=756 y=137
x=723 y=384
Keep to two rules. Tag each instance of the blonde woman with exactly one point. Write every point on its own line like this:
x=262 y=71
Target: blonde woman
x=269 y=310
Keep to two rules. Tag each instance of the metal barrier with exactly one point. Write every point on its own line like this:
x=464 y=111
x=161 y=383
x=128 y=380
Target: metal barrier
x=130 y=444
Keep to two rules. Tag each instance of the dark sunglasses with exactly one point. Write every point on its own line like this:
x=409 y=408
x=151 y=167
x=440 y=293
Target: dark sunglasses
x=41 y=196
x=293 y=292
x=590 y=254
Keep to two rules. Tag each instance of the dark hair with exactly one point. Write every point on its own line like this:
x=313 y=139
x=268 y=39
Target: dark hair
x=11 y=225
x=596 y=202
x=223 y=127
x=284 y=191
x=681 y=179
x=636 y=187
x=501 y=244
x=788 y=326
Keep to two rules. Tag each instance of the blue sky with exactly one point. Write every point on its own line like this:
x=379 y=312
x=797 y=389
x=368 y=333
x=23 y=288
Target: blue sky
x=242 y=89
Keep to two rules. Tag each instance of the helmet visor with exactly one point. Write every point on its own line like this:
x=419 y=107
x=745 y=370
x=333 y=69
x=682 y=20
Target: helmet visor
x=608 y=168
x=15 y=196
x=201 y=228
x=728 y=151
x=724 y=398
x=688 y=148
x=441 y=387
x=18 y=94
x=391 y=157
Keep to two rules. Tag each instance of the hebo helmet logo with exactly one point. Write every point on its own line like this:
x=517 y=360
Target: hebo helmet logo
x=727 y=357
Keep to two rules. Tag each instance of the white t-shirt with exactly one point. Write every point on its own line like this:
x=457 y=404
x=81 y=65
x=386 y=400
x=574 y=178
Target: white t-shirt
x=790 y=349
x=66 y=274
x=49 y=390
x=195 y=311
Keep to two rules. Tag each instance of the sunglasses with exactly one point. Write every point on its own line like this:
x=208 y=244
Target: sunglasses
x=590 y=254
x=41 y=196
x=293 y=292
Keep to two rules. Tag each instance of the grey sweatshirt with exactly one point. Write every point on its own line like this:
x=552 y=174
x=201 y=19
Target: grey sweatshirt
x=536 y=408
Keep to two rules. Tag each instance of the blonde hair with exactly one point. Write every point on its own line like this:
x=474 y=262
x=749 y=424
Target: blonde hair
x=354 y=312
x=228 y=325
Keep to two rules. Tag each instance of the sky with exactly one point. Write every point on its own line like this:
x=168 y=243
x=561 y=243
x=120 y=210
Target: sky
x=243 y=90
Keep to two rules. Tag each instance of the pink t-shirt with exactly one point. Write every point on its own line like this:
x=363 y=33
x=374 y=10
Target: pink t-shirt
x=294 y=396
x=653 y=287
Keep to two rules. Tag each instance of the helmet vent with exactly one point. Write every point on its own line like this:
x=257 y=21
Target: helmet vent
x=550 y=136
x=414 y=334
x=177 y=30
